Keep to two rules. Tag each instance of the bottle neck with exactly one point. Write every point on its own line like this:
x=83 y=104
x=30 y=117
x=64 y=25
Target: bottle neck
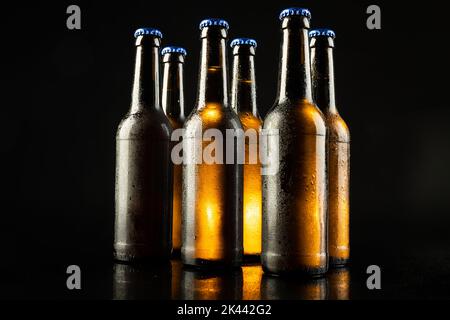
x=173 y=90
x=295 y=70
x=243 y=88
x=213 y=86
x=323 y=77
x=145 y=94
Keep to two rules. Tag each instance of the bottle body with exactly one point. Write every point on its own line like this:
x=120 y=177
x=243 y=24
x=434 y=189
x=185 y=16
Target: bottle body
x=143 y=191
x=243 y=102
x=252 y=187
x=294 y=198
x=212 y=194
x=338 y=164
x=173 y=105
x=143 y=194
x=212 y=186
x=338 y=146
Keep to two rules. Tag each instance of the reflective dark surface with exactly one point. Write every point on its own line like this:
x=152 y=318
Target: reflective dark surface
x=421 y=274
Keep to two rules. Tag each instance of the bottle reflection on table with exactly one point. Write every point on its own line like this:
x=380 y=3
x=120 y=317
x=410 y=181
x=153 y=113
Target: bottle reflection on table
x=143 y=281
x=211 y=285
x=177 y=271
x=252 y=282
x=339 y=283
x=289 y=288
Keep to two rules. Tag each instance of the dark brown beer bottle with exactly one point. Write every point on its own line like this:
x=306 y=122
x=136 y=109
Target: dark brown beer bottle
x=173 y=105
x=212 y=186
x=338 y=146
x=143 y=164
x=243 y=101
x=294 y=198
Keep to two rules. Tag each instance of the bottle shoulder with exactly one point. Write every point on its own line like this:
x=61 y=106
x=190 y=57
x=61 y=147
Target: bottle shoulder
x=300 y=116
x=337 y=127
x=250 y=121
x=176 y=122
x=209 y=117
x=144 y=123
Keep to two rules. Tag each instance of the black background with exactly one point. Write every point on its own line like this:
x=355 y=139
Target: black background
x=65 y=91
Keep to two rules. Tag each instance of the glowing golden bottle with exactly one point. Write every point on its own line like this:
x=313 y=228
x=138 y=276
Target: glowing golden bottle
x=212 y=186
x=243 y=101
x=173 y=105
x=294 y=198
x=338 y=146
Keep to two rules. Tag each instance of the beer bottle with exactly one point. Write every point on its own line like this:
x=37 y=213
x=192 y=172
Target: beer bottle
x=212 y=187
x=243 y=101
x=143 y=198
x=338 y=146
x=294 y=198
x=173 y=105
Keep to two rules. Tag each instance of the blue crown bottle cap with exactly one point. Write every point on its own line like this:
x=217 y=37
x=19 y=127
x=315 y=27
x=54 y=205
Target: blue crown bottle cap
x=148 y=31
x=213 y=22
x=243 y=41
x=295 y=12
x=322 y=33
x=173 y=49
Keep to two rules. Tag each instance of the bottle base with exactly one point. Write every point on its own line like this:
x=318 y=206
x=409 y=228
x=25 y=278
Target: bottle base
x=176 y=254
x=294 y=265
x=299 y=272
x=138 y=254
x=203 y=264
x=339 y=262
x=251 y=259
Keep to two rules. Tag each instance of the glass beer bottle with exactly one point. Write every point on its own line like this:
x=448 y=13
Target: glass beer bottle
x=338 y=146
x=212 y=187
x=294 y=229
x=143 y=197
x=173 y=105
x=243 y=101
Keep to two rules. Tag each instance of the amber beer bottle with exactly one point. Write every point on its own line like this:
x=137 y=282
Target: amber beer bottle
x=212 y=190
x=143 y=165
x=173 y=105
x=338 y=146
x=294 y=199
x=243 y=101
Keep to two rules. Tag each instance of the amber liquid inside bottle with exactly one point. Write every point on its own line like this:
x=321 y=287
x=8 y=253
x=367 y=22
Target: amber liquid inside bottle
x=173 y=105
x=143 y=198
x=212 y=191
x=243 y=101
x=294 y=199
x=338 y=150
